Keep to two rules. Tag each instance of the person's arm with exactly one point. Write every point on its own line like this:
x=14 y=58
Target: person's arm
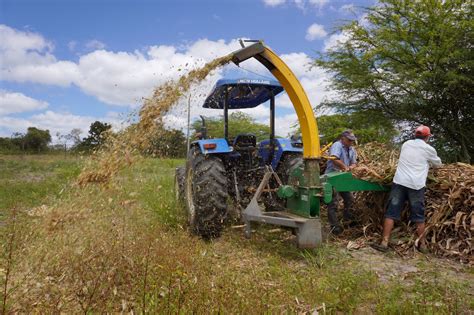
x=340 y=165
x=353 y=162
x=336 y=151
x=433 y=157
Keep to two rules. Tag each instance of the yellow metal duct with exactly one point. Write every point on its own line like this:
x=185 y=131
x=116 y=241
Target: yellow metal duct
x=296 y=93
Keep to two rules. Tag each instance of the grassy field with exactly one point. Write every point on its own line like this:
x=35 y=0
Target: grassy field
x=126 y=247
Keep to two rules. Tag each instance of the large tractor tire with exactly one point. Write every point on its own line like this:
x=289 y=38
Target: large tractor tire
x=179 y=182
x=206 y=194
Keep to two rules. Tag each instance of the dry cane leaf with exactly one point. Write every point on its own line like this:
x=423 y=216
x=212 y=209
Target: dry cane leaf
x=449 y=202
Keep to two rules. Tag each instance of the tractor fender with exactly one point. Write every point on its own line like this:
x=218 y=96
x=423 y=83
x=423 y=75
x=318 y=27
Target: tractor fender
x=221 y=146
x=282 y=146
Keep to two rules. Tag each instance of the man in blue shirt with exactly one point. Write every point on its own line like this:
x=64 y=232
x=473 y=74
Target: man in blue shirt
x=345 y=160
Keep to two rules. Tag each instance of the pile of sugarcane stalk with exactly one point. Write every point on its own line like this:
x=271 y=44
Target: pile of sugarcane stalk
x=449 y=201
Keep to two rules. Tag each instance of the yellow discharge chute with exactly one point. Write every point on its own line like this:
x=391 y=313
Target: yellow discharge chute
x=296 y=93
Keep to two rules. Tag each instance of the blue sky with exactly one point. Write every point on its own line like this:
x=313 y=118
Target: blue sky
x=66 y=63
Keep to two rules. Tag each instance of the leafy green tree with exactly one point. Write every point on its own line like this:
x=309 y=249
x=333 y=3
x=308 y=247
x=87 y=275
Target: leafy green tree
x=7 y=145
x=36 y=139
x=238 y=123
x=413 y=61
x=96 y=136
x=167 y=143
x=18 y=140
x=368 y=126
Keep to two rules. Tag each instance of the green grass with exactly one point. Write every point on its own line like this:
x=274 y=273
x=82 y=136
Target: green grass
x=31 y=180
x=27 y=180
x=126 y=247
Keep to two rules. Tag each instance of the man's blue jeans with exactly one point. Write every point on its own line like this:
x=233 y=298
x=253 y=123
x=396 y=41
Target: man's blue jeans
x=396 y=202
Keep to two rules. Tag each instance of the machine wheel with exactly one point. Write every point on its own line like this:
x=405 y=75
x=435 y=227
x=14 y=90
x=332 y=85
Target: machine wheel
x=287 y=165
x=179 y=181
x=206 y=194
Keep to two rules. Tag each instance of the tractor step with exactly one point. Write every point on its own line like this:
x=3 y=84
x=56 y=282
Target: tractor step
x=281 y=217
x=308 y=230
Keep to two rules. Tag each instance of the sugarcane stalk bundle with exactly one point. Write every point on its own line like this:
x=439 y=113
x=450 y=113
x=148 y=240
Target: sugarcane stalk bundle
x=449 y=202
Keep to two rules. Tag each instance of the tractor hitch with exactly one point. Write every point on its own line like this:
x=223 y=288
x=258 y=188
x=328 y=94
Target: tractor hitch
x=308 y=230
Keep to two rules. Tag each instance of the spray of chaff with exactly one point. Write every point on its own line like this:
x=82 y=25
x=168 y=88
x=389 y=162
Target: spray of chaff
x=122 y=149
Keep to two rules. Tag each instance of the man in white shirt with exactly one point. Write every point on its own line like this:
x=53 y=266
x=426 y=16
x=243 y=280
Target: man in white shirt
x=416 y=156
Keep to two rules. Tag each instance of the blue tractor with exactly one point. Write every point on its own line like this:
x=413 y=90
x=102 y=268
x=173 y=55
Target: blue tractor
x=224 y=171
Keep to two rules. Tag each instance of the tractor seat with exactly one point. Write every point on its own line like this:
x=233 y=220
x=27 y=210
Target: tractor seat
x=245 y=141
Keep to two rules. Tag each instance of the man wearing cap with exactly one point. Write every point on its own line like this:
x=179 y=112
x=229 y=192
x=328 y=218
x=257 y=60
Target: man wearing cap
x=345 y=160
x=416 y=156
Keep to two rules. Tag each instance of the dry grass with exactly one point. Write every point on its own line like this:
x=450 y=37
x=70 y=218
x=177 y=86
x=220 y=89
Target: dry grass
x=125 y=247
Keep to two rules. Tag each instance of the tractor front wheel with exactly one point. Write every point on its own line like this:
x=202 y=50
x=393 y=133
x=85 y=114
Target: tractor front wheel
x=206 y=193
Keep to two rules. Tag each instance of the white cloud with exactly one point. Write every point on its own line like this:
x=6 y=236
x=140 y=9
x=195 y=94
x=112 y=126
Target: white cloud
x=300 y=4
x=26 y=56
x=95 y=44
x=299 y=63
x=55 y=122
x=116 y=78
x=10 y=125
x=123 y=78
x=258 y=112
x=341 y=37
x=284 y=125
x=347 y=8
x=20 y=41
x=12 y=102
x=61 y=73
x=318 y=3
x=335 y=40
x=315 y=31
x=273 y=3
x=61 y=122
x=313 y=79
x=364 y=21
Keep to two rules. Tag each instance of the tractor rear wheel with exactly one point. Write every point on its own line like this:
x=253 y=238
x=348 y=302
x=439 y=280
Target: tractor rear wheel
x=179 y=182
x=206 y=193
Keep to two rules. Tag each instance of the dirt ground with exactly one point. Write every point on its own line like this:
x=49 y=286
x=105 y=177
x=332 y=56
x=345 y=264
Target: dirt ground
x=389 y=265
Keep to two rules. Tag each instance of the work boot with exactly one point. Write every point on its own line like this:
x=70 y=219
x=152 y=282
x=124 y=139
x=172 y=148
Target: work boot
x=380 y=247
x=350 y=220
x=348 y=215
x=336 y=230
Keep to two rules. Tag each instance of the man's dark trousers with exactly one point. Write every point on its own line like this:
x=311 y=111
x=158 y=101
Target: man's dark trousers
x=348 y=199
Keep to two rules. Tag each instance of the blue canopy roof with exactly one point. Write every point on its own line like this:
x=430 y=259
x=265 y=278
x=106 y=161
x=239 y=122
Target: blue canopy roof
x=242 y=93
